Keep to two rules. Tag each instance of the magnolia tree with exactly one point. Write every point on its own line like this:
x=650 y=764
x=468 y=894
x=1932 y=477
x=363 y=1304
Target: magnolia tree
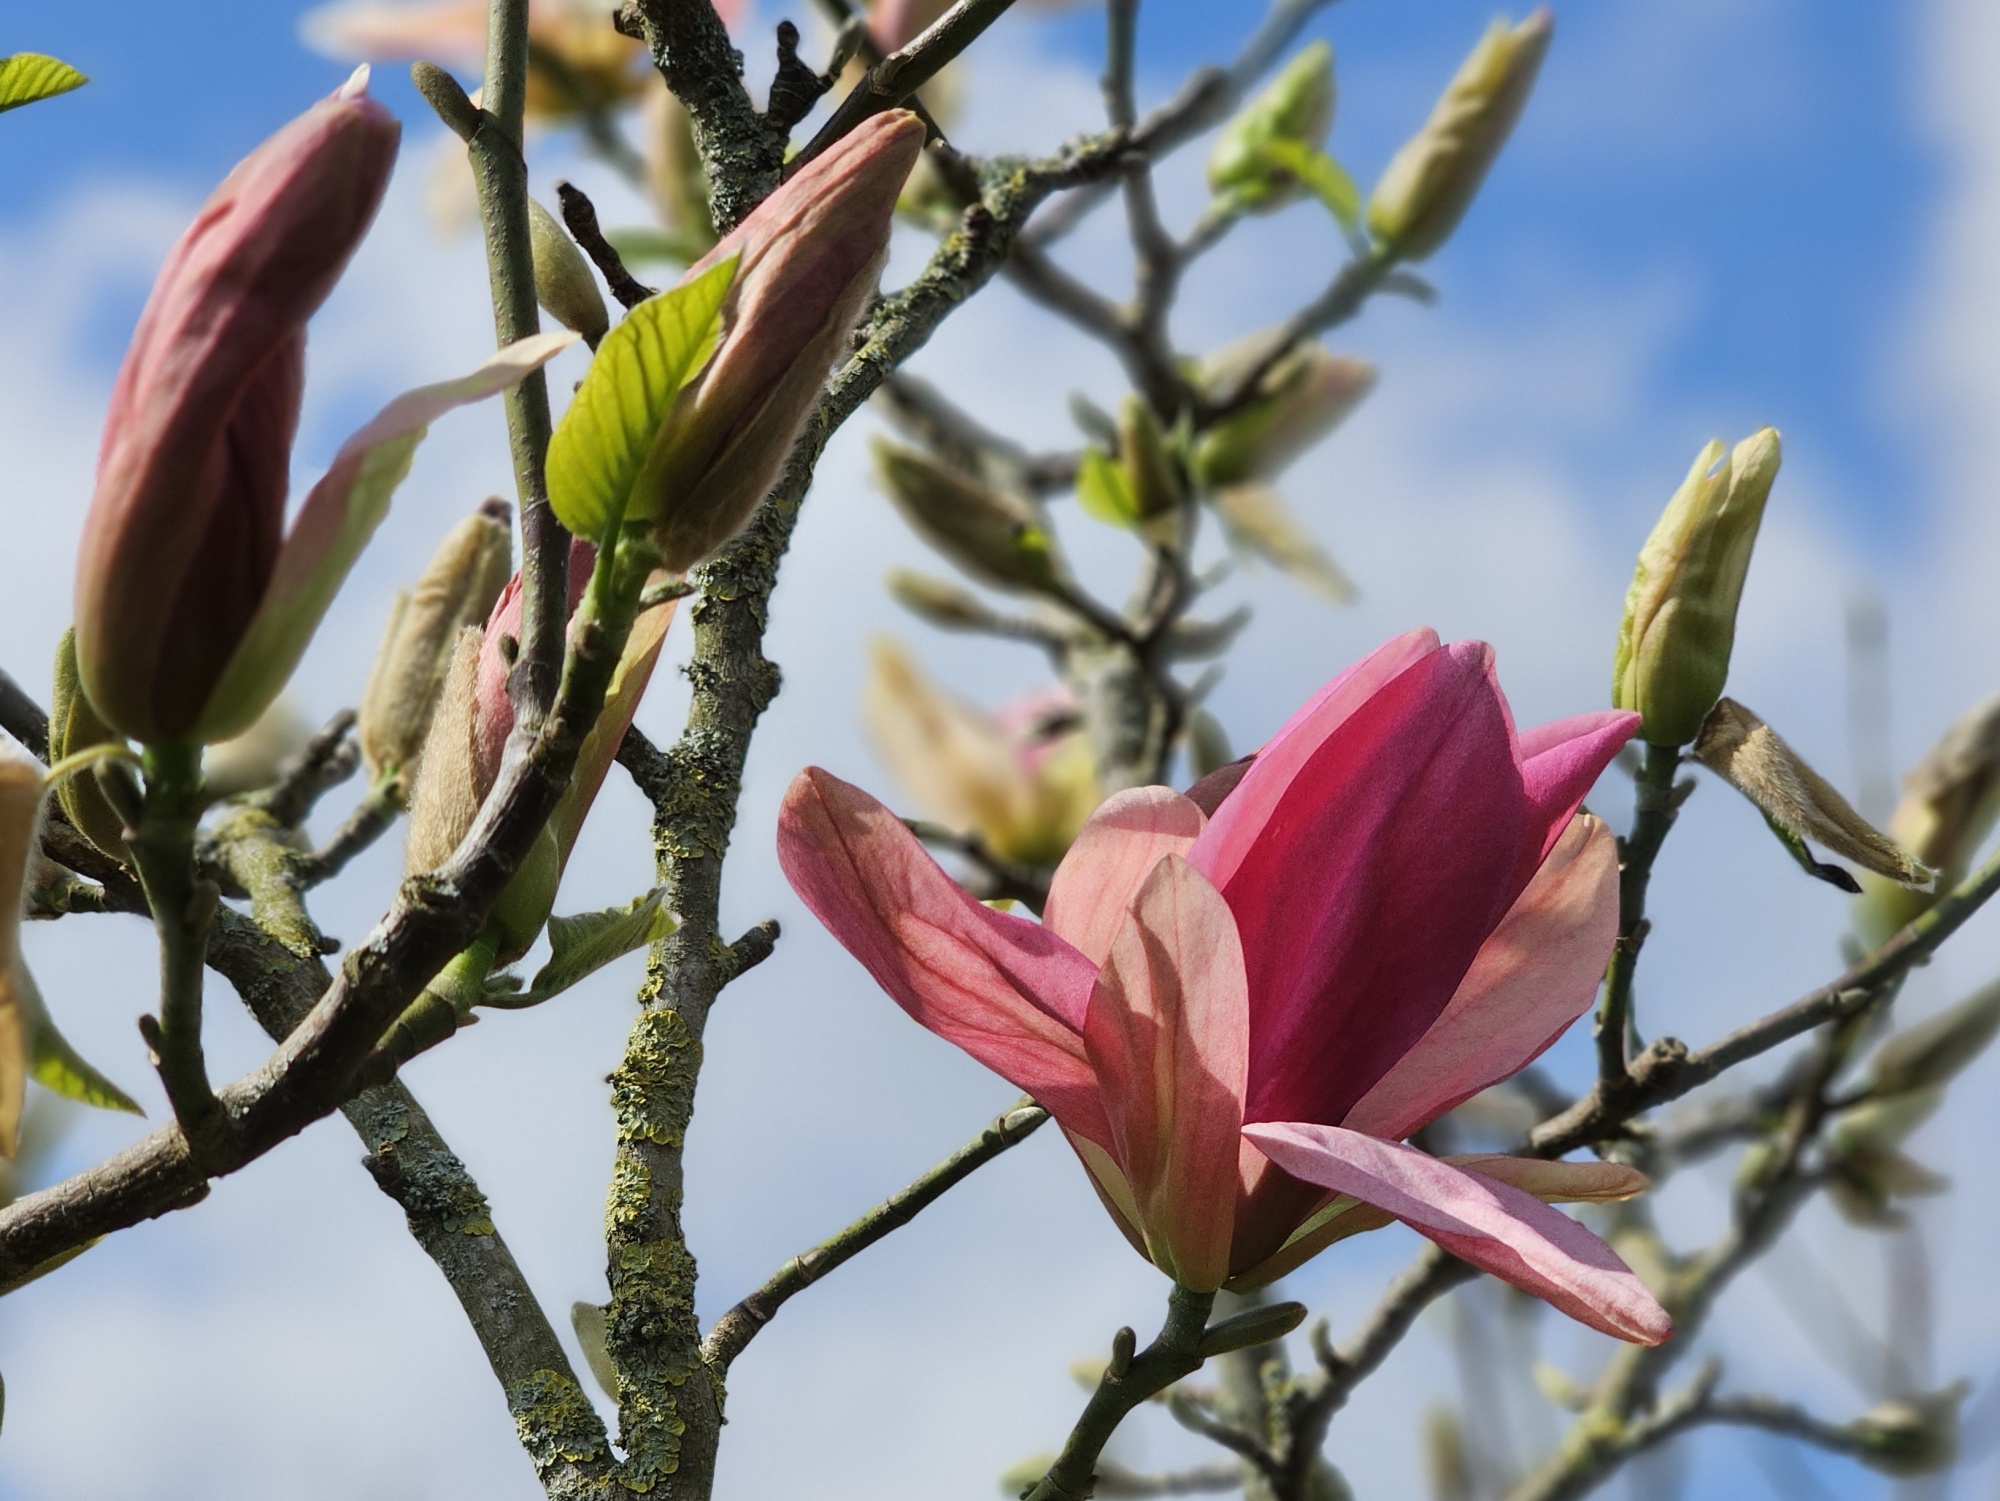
x=1287 y=1005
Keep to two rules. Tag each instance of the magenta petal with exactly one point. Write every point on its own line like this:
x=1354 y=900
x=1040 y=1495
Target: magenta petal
x=1109 y=861
x=1234 y=826
x=1498 y=1228
x=1535 y=975
x=1369 y=889
x=1559 y=764
x=1168 y=1038
x=1008 y=991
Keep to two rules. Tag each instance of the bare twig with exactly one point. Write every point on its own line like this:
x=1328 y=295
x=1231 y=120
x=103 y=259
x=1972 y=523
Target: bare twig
x=580 y=216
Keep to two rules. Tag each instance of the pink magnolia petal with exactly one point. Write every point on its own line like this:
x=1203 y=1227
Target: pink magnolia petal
x=1263 y=784
x=1535 y=975
x=1208 y=793
x=1111 y=858
x=1006 y=990
x=1496 y=1227
x=1168 y=1038
x=1365 y=895
x=1557 y=1182
x=1559 y=764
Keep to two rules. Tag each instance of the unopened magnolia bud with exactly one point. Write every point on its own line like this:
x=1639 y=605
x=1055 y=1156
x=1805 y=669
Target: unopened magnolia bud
x=1748 y=754
x=1431 y=182
x=674 y=174
x=564 y=282
x=1933 y=1051
x=448 y=794
x=457 y=588
x=1909 y=1436
x=1295 y=107
x=1298 y=401
x=1950 y=803
x=587 y=1319
x=75 y=726
x=939 y=601
x=997 y=538
x=1884 y=1123
x=1157 y=491
x=1680 y=613
x=256 y=758
x=20 y=820
x=523 y=909
x=809 y=258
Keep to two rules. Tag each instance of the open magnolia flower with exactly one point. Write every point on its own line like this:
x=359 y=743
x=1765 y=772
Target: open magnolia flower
x=1238 y=1015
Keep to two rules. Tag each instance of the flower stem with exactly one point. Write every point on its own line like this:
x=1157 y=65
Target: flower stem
x=1655 y=806
x=163 y=848
x=1127 y=1382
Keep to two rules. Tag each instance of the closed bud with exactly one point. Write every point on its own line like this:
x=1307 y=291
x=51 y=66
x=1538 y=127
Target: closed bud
x=458 y=588
x=1748 y=754
x=448 y=794
x=939 y=601
x=1934 y=1050
x=184 y=530
x=1908 y=1436
x=1950 y=803
x=675 y=178
x=256 y=758
x=587 y=1320
x=564 y=282
x=1298 y=401
x=1254 y=1326
x=1885 y=1122
x=20 y=820
x=809 y=258
x=1155 y=476
x=1680 y=613
x=996 y=537
x=1431 y=182
x=75 y=726
x=1294 y=108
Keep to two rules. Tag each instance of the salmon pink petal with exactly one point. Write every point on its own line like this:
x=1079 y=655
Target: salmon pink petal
x=1495 y=1226
x=1168 y=1038
x=1366 y=893
x=1535 y=975
x=1008 y=991
x=1559 y=764
x=1255 y=794
x=1111 y=858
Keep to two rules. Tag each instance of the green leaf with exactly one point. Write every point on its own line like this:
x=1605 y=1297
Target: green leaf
x=28 y=76
x=335 y=523
x=604 y=438
x=1258 y=520
x=642 y=245
x=55 y=1065
x=1104 y=490
x=1321 y=176
x=582 y=945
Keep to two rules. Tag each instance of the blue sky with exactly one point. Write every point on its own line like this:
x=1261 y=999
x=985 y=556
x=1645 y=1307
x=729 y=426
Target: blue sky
x=1716 y=214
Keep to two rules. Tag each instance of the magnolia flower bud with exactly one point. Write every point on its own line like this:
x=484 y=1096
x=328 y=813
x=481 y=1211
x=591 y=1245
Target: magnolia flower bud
x=809 y=258
x=1157 y=492
x=675 y=178
x=997 y=538
x=1680 y=613
x=1908 y=1436
x=447 y=795
x=1932 y=1051
x=1748 y=754
x=256 y=758
x=564 y=282
x=20 y=819
x=1431 y=182
x=75 y=726
x=1294 y=107
x=1950 y=803
x=458 y=588
x=1298 y=401
x=939 y=601
x=184 y=529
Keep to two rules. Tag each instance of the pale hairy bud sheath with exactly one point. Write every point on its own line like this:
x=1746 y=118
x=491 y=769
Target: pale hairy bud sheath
x=458 y=588
x=810 y=255
x=564 y=284
x=20 y=819
x=188 y=514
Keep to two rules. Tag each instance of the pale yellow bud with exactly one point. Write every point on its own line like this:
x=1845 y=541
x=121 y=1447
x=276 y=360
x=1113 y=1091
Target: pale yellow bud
x=447 y=795
x=999 y=538
x=564 y=282
x=1431 y=182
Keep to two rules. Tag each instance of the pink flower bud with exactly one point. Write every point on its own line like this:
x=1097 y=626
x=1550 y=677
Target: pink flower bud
x=188 y=516
x=810 y=255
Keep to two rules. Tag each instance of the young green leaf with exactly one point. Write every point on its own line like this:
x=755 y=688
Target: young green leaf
x=29 y=76
x=54 y=1064
x=604 y=438
x=1104 y=490
x=1321 y=176
x=582 y=945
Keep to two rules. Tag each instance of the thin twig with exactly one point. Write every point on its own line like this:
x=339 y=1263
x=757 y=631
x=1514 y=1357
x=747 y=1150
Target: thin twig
x=1655 y=806
x=580 y=217
x=733 y=1332
x=1007 y=880
x=22 y=717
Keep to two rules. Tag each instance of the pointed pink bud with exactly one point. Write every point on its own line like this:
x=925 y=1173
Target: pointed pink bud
x=810 y=255
x=185 y=526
